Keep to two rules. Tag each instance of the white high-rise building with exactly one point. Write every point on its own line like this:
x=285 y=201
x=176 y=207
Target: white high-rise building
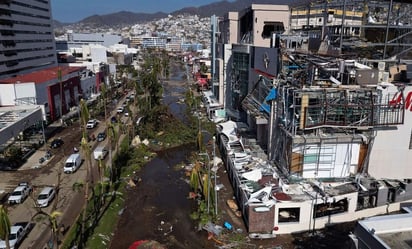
x=26 y=37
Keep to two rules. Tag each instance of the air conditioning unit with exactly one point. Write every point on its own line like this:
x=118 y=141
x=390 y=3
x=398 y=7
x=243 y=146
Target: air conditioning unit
x=385 y=77
x=381 y=66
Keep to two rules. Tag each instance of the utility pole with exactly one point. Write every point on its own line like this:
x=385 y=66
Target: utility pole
x=215 y=171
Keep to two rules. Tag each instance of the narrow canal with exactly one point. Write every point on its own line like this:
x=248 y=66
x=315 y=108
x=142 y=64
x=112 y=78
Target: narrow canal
x=158 y=207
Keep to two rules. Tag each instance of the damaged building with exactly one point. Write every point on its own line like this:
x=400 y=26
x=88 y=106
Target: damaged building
x=322 y=135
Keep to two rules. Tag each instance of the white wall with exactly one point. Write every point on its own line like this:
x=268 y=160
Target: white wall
x=306 y=221
x=268 y=13
x=226 y=84
x=42 y=93
x=98 y=54
x=390 y=156
x=10 y=92
x=335 y=160
x=87 y=85
x=7 y=95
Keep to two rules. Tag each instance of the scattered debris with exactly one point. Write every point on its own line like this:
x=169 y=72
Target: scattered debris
x=146 y=244
x=213 y=228
x=165 y=228
x=121 y=211
x=233 y=206
x=228 y=225
x=131 y=183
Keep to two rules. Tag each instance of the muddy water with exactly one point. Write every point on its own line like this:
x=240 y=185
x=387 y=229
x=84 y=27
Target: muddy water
x=174 y=90
x=158 y=207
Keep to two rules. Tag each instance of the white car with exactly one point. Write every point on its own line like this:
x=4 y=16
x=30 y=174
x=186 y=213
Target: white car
x=20 y=193
x=46 y=196
x=91 y=124
x=120 y=109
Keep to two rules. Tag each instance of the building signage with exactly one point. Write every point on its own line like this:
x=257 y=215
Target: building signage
x=397 y=100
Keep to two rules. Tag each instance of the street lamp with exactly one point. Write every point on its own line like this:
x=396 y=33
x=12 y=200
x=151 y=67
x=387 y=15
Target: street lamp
x=215 y=168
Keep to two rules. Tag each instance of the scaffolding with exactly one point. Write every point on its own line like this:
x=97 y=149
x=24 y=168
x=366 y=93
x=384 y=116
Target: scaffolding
x=373 y=29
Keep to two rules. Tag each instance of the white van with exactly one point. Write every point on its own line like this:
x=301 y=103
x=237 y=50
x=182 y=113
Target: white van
x=100 y=152
x=72 y=163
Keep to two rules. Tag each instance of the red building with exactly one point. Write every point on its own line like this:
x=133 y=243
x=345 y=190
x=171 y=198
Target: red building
x=57 y=88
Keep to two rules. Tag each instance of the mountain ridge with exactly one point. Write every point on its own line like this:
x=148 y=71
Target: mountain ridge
x=130 y=18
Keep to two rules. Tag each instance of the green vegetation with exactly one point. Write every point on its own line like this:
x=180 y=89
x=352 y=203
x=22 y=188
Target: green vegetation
x=105 y=201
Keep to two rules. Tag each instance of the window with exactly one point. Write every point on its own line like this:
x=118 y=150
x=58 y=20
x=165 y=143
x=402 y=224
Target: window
x=289 y=215
x=310 y=158
x=272 y=27
x=410 y=141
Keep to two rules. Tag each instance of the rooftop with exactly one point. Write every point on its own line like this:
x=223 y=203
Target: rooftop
x=42 y=75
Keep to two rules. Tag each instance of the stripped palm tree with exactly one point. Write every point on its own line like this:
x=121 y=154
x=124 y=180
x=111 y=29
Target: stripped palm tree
x=102 y=170
x=194 y=176
x=84 y=116
x=103 y=91
x=5 y=226
x=112 y=135
x=52 y=223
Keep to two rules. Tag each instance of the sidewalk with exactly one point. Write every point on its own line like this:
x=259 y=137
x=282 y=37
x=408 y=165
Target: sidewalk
x=33 y=161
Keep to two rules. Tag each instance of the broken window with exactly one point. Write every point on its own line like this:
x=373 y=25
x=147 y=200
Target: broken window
x=272 y=27
x=335 y=207
x=289 y=215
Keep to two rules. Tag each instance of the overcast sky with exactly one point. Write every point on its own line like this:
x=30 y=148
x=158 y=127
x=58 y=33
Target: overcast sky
x=76 y=10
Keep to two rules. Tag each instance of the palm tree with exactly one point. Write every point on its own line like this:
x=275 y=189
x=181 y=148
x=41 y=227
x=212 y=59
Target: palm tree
x=52 y=223
x=5 y=226
x=194 y=177
x=84 y=116
x=112 y=135
x=103 y=90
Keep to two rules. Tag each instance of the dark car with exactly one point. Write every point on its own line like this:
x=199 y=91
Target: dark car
x=101 y=136
x=56 y=143
x=113 y=119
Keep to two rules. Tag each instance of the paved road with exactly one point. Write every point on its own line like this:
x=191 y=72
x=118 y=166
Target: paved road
x=68 y=202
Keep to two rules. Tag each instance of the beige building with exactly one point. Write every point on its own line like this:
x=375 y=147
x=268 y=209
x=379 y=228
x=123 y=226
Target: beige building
x=255 y=25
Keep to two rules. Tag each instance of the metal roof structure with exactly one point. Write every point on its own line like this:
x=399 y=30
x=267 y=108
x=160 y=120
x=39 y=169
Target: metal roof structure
x=14 y=120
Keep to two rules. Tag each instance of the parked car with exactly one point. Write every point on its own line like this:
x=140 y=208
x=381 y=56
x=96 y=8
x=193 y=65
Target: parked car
x=20 y=193
x=91 y=124
x=56 y=143
x=100 y=153
x=113 y=119
x=120 y=109
x=18 y=232
x=101 y=136
x=46 y=196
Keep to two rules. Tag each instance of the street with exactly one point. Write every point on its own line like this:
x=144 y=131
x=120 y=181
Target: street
x=39 y=175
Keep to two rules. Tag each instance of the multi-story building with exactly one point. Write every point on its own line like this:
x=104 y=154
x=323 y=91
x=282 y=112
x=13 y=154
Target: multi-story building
x=72 y=41
x=242 y=57
x=337 y=130
x=27 y=38
x=56 y=89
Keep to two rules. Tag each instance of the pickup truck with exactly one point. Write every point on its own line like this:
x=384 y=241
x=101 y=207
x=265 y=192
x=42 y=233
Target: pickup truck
x=17 y=234
x=20 y=193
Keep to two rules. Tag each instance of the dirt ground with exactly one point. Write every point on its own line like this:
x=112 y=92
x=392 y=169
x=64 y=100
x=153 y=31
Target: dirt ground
x=158 y=208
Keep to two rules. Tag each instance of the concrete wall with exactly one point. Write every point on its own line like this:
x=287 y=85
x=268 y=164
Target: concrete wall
x=263 y=13
x=229 y=28
x=391 y=155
